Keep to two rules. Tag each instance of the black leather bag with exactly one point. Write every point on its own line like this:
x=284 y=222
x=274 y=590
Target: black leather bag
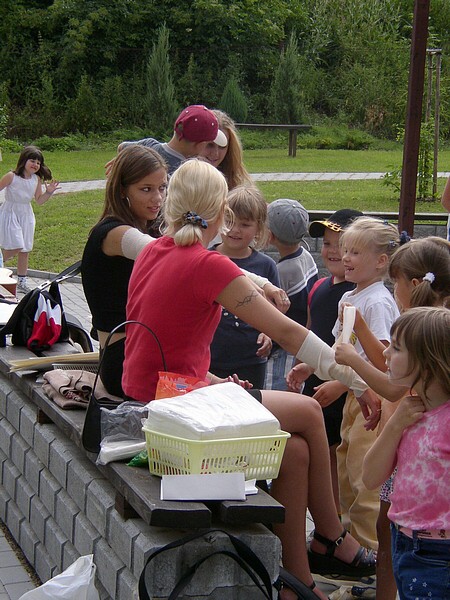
x=91 y=436
x=241 y=554
x=21 y=323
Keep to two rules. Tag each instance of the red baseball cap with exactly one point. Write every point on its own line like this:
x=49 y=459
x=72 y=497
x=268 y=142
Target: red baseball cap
x=197 y=123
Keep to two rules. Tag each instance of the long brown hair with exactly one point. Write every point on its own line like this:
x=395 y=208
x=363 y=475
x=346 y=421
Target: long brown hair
x=131 y=165
x=232 y=165
x=425 y=332
x=33 y=153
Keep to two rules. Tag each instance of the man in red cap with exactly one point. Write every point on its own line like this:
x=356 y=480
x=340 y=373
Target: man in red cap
x=195 y=126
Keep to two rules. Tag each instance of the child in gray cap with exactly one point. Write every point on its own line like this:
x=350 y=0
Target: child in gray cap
x=288 y=223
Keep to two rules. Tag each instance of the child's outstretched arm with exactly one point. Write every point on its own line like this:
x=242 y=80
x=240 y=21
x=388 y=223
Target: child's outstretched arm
x=42 y=197
x=380 y=460
x=6 y=180
x=346 y=354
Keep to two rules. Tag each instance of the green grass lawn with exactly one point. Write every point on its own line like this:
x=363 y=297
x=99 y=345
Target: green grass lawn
x=64 y=222
x=89 y=164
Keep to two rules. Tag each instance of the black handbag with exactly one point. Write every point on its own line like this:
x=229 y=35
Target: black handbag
x=242 y=554
x=91 y=436
x=21 y=324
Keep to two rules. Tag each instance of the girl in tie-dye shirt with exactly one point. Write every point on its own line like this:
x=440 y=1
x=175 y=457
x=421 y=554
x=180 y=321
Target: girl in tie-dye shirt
x=416 y=440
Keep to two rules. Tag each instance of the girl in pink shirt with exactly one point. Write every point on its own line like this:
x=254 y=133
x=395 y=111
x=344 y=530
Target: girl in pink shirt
x=416 y=440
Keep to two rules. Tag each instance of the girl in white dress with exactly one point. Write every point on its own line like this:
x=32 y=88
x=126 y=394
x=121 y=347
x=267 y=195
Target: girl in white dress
x=17 y=220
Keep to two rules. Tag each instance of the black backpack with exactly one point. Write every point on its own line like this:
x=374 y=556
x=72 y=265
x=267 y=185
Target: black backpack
x=22 y=322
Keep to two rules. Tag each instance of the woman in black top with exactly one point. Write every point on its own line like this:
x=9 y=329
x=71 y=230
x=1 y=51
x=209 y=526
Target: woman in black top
x=135 y=192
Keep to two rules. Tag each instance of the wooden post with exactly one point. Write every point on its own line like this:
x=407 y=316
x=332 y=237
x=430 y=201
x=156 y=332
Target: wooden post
x=413 y=116
x=437 y=107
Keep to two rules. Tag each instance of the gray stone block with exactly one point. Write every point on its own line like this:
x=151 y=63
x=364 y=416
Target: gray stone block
x=70 y=555
x=100 y=499
x=65 y=512
x=7 y=432
x=33 y=469
x=28 y=541
x=101 y=590
x=60 y=455
x=10 y=476
x=48 y=489
x=43 y=564
x=38 y=517
x=43 y=437
x=5 y=498
x=80 y=474
x=218 y=572
x=13 y=520
x=5 y=388
x=24 y=493
x=14 y=403
x=121 y=535
x=145 y=544
x=85 y=535
x=18 y=450
x=127 y=586
x=55 y=539
x=27 y=423
x=108 y=566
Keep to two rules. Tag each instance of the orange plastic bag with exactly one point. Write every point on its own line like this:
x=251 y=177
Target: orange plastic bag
x=174 y=384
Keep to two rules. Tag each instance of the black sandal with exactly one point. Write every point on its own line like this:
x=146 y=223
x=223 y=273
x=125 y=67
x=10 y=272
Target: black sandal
x=362 y=565
x=303 y=591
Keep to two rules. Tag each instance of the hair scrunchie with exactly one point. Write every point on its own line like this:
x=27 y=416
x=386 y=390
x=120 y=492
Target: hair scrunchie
x=430 y=277
x=404 y=238
x=192 y=218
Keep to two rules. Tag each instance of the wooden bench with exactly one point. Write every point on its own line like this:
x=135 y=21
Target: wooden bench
x=137 y=491
x=293 y=129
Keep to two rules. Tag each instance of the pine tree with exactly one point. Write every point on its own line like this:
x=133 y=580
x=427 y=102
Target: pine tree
x=160 y=98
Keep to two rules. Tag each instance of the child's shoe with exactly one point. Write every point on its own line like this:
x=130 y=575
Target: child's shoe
x=22 y=285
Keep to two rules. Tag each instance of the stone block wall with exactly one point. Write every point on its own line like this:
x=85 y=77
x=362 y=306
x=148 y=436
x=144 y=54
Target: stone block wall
x=58 y=506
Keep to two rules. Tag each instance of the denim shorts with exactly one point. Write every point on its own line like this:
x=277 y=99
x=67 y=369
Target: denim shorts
x=421 y=567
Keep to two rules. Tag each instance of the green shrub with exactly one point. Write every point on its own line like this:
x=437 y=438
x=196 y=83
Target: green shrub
x=160 y=102
x=285 y=93
x=233 y=101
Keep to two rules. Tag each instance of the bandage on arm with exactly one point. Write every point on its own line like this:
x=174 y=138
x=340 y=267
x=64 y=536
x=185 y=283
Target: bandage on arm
x=257 y=279
x=318 y=355
x=133 y=241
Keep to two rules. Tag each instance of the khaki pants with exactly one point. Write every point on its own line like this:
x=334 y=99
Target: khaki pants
x=359 y=506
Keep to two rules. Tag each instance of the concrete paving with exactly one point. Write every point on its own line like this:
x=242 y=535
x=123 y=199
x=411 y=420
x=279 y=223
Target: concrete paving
x=81 y=186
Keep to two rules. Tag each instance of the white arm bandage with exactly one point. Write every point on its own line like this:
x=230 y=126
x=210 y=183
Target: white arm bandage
x=257 y=279
x=133 y=241
x=320 y=357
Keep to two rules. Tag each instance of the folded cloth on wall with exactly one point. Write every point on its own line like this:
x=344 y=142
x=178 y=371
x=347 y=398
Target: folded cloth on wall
x=73 y=388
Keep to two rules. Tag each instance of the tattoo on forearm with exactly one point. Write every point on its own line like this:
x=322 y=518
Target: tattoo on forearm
x=247 y=299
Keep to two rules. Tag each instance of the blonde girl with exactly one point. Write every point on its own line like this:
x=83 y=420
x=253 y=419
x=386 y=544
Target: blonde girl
x=17 y=220
x=238 y=348
x=366 y=245
x=420 y=271
x=415 y=441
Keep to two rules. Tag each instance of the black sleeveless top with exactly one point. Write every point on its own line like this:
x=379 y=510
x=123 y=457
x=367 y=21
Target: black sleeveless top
x=105 y=279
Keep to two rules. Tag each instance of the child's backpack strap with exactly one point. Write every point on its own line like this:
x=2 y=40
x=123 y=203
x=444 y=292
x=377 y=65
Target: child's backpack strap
x=314 y=288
